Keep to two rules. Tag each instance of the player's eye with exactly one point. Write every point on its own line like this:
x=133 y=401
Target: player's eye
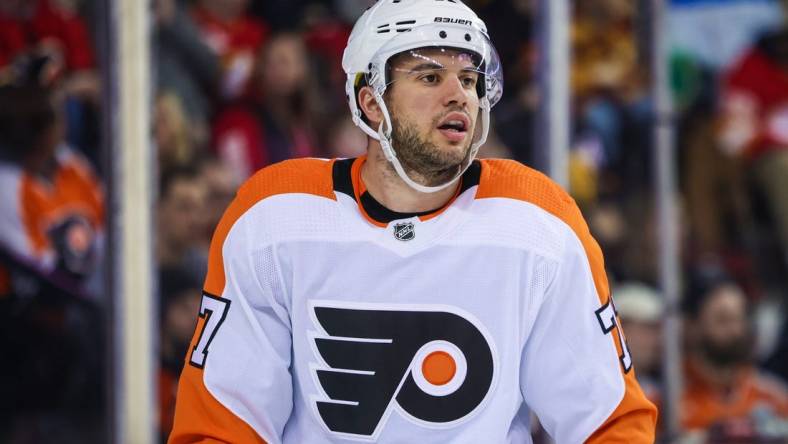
x=429 y=78
x=469 y=81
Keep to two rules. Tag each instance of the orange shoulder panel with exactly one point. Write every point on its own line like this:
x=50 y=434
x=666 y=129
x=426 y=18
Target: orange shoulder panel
x=303 y=176
x=634 y=420
x=199 y=417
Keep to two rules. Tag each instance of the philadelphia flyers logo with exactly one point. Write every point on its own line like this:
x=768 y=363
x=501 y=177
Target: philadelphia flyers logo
x=434 y=365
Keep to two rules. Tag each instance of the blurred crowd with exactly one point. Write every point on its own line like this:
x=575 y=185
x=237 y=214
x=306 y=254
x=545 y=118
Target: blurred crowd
x=241 y=84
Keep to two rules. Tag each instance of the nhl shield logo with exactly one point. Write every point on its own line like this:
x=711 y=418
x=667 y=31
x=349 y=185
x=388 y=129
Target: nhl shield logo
x=404 y=231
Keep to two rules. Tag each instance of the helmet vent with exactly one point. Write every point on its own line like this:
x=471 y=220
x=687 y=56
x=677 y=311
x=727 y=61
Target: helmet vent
x=383 y=28
x=405 y=26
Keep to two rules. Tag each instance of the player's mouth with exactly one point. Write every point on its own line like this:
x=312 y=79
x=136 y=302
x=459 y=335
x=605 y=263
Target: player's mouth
x=454 y=126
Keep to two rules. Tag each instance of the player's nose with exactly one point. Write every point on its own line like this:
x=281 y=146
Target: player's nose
x=454 y=91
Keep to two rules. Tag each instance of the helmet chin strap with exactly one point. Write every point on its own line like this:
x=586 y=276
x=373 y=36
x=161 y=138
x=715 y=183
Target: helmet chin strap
x=384 y=136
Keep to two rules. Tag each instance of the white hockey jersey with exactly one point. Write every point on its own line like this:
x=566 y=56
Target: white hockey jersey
x=328 y=318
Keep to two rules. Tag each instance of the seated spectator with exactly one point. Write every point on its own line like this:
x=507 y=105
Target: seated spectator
x=608 y=86
x=754 y=122
x=52 y=30
x=52 y=205
x=280 y=123
x=719 y=202
x=641 y=308
x=221 y=184
x=172 y=132
x=51 y=229
x=606 y=59
x=185 y=66
x=179 y=302
x=181 y=220
x=723 y=390
x=235 y=37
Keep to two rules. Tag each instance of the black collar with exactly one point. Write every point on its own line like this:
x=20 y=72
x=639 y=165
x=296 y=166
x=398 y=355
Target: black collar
x=343 y=183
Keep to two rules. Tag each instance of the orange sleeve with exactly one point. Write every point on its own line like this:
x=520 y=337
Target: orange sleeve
x=199 y=416
x=634 y=420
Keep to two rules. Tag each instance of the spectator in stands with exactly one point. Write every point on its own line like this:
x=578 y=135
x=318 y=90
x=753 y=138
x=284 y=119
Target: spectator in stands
x=282 y=121
x=185 y=65
x=51 y=226
x=221 y=182
x=608 y=84
x=52 y=29
x=723 y=389
x=52 y=205
x=719 y=202
x=179 y=300
x=235 y=37
x=754 y=122
x=181 y=220
x=641 y=309
x=174 y=136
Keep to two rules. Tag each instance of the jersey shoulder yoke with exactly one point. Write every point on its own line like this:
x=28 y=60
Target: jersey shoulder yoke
x=300 y=176
x=510 y=179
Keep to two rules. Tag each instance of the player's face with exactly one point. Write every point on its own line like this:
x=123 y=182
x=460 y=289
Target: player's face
x=434 y=108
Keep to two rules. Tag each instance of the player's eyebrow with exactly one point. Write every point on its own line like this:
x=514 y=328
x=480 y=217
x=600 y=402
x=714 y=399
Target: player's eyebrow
x=425 y=67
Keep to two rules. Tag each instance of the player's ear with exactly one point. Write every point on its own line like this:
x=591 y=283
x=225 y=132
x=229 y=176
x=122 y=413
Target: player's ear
x=369 y=106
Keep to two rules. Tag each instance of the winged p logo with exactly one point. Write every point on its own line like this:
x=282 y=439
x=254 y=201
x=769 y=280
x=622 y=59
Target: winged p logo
x=435 y=363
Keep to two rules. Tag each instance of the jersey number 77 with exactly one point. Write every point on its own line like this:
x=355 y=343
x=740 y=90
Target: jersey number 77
x=607 y=315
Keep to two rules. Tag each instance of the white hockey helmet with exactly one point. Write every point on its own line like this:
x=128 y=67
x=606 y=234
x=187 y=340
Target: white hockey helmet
x=391 y=27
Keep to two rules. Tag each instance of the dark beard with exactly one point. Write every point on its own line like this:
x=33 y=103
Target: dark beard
x=726 y=355
x=423 y=158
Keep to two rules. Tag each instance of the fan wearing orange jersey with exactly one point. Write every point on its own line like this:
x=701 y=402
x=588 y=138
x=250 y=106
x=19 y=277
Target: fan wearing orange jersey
x=51 y=208
x=414 y=294
x=724 y=392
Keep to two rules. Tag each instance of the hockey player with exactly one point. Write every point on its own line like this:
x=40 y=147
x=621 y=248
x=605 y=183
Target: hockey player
x=415 y=294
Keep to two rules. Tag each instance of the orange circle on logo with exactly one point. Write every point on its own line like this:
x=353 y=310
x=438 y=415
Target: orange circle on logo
x=438 y=368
